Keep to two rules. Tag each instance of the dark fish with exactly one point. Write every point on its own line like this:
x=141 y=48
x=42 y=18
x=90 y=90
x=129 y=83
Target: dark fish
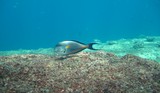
x=71 y=47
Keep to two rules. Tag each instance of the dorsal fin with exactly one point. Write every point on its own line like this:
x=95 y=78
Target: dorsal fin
x=78 y=42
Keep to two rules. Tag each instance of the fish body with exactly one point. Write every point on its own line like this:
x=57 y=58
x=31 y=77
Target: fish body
x=71 y=47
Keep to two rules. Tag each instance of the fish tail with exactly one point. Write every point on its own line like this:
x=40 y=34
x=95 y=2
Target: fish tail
x=90 y=46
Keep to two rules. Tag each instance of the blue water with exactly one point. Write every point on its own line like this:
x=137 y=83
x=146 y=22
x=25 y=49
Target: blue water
x=33 y=24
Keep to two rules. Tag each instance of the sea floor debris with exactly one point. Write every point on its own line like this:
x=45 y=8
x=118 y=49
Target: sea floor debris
x=85 y=72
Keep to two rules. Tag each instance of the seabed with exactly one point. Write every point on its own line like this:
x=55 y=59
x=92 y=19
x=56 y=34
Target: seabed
x=123 y=66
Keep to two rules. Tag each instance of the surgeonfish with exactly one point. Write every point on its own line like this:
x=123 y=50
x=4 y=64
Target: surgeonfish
x=65 y=48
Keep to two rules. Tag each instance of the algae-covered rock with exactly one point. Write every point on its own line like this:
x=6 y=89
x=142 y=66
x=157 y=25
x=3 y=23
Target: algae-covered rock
x=85 y=72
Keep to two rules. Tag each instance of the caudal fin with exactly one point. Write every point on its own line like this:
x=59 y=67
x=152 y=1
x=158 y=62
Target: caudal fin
x=90 y=46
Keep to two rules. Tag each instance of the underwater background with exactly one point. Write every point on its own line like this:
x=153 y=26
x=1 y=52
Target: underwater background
x=126 y=33
x=33 y=24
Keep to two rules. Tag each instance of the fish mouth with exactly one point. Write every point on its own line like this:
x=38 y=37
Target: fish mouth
x=60 y=51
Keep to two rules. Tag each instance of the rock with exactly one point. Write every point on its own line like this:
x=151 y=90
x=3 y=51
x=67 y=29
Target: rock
x=85 y=72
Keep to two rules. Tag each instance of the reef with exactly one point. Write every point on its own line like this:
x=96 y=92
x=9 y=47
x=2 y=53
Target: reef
x=85 y=72
x=144 y=46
